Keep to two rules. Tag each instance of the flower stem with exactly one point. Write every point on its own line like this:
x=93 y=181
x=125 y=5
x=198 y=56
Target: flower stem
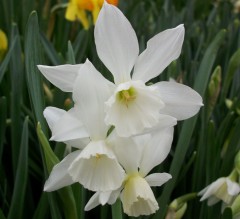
x=117 y=210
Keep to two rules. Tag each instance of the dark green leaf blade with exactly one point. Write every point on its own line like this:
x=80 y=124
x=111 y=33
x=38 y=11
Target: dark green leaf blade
x=17 y=203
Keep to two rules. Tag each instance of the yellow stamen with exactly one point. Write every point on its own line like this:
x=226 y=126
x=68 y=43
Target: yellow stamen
x=127 y=96
x=98 y=156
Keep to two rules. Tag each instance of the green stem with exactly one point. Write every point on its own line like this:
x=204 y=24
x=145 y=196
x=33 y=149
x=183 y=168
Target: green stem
x=117 y=210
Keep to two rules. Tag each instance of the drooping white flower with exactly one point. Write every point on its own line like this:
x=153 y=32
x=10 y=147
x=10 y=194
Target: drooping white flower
x=223 y=189
x=138 y=160
x=95 y=166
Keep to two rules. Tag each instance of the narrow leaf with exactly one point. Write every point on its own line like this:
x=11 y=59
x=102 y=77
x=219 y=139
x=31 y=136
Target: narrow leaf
x=234 y=63
x=4 y=64
x=117 y=210
x=17 y=203
x=16 y=70
x=66 y=194
x=33 y=57
x=3 y=118
x=70 y=54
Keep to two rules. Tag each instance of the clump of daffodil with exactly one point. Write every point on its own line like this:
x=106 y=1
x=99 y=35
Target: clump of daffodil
x=3 y=44
x=77 y=10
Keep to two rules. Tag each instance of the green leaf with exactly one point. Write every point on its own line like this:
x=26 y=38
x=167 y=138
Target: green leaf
x=16 y=70
x=80 y=45
x=227 y=214
x=233 y=65
x=200 y=86
x=33 y=57
x=17 y=203
x=2 y=215
x=117 y=210
x=70 y=54
x=66 y=194
x=4 y=64
x=42 y=209
x=50 y=158
x=50 y=51
x=3 y=118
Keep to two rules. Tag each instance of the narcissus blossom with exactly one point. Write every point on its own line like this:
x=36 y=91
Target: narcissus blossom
x=134 y=106
x=76 y=10
x=223 y=189
x=94 y=165
x=135 y=193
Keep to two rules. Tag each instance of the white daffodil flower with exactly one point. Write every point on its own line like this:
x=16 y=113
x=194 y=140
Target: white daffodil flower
x=95 y=166
x=222 y=189
x=132 y=107
x=135 y=193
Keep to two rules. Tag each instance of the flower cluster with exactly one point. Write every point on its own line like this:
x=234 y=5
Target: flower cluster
x=121 y=130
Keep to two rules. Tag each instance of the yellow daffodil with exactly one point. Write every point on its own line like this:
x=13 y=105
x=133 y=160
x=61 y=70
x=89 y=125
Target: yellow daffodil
x=76 y=10
x=3 y=44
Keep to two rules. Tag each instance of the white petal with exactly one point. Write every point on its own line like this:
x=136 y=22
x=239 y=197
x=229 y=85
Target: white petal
x=52 y=115
x=78 y=143
x=233 y=188
x=181 y=101
x=96 y=168
x=132 y=117
x=158 y=179
x=203 y=191
x=156 y=150
x=126 y=150
x=102 y=198
x=114 y=195
x=212 y=200
x=116 y=42
x=97 y=199
x=138 y=198
x=68 y=127
x=90 y=92
x=212 y=188
x=93 y=202
x=62 y=76
x=164 y=121
x=161 y=50
x=59 y=176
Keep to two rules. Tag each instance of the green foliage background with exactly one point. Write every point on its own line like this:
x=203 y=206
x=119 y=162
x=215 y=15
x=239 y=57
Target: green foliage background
x=204 y=146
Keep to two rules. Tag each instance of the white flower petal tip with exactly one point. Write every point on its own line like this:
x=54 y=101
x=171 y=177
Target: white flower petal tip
x=138 y=198
x=97 y=168
x=161 y=50
x=65 y=126
x=59 y=177
x=116 y=42
x=99 y=198
x=181 y=101
x=158 y=179
x=133 y=108
x=52 y=115
x=62 y=76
